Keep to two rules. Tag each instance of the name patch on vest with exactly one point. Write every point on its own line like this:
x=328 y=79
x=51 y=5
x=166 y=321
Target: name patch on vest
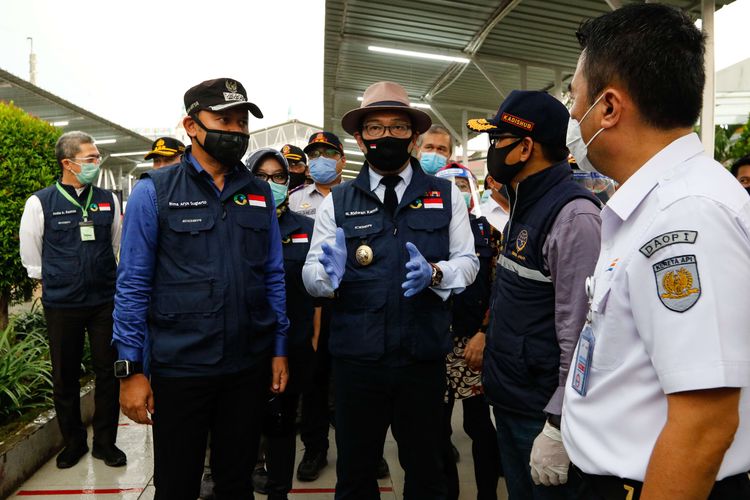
x=188 y=204
x=65 y=212
x=355 y=213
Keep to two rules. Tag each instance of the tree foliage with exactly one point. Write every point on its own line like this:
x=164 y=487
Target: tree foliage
x=27 y=164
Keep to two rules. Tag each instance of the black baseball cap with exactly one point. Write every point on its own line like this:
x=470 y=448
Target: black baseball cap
x=526 y=113
x=166 y=147
x=217 y=95
x=325 y=138
x=293 y=153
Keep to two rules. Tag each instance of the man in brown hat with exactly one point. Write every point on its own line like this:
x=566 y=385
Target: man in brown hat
x=390 y=247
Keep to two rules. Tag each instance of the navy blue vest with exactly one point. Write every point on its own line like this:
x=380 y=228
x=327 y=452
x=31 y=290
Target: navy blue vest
x=296 y=233
x=522 y=356
x=209 y=313
x=370 y=316
x=77 y=273
x=470 y=306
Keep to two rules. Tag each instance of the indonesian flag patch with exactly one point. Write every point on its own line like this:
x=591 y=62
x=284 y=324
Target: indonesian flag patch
x=105 y=207
x=256 y=200
x=433 y=202
x=300 y=238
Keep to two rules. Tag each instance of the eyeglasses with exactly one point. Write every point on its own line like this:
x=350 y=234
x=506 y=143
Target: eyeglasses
x=89 y=159
x=378 y=130
x=498 y=138
x=332 y=154
x=278 y=178
x=295 y=164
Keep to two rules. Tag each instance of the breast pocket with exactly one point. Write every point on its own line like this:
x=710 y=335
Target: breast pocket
x=430 y=234
x=63 y=230
x=359 y=231
x=608 y=331
x=254 y=226
x=190 y=230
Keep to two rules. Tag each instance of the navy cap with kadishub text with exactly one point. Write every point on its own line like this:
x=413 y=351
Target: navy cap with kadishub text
x=217 y=95
x=526 y=113
x=326 y=139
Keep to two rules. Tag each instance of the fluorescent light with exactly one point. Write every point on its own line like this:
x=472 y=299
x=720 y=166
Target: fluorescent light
x=422 y=55
x=348 y=176
x=352 y=152
x=355 y=172
x=105 y=141
x=350 y=141
x=133 y=153
x=59 y=124
x=360 y=98
x=145 y=164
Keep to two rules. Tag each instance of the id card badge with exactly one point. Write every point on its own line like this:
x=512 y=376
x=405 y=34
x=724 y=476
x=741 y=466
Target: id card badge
x=87 y=230
x=584 y=356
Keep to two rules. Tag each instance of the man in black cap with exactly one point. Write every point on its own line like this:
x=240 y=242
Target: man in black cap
x=299 y=174
x=165 y=151
x=390 y=247
x=201 y=270
x=550 y=246
x=326 y=158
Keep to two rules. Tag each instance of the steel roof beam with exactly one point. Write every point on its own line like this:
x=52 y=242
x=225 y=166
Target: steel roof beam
x=614 y=4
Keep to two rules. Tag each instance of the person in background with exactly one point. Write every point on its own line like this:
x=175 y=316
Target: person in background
x=165 y=151
x=656 y=404
x=549 y=248
x=741 y=172
x=296 y=231
x=464 y=362
x=495 y=206
x=69 y=237
x=325 y=154
x=299 y=173
x=435 y=149
x=202 y=271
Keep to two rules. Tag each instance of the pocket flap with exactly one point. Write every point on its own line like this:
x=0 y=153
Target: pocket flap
x=257 y=220
x=362 y=226
x=190 y=222
x=187 y=298
x=422 y=221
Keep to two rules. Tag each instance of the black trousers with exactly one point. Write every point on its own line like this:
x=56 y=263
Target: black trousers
x=186 y=409
x=67 y=329
x=369 y=398
x=484 y=450
x=315 y=410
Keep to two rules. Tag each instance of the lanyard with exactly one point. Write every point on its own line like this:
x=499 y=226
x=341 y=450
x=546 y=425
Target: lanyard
x=75 y=202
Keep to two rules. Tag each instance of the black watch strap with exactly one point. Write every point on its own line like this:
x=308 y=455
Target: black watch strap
x=125 y=368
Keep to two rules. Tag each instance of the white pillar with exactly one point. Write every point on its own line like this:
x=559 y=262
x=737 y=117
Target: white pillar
x=558 y=85
x=523 y=71
x=708 y=7
x=465 y=137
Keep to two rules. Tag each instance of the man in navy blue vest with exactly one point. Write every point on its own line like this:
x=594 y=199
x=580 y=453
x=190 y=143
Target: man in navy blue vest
x=390 y=247
x=202 y=270
x=70 y=234
x=550 y=246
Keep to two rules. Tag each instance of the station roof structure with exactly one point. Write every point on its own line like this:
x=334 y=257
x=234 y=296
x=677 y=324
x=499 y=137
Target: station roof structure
x=477 y=51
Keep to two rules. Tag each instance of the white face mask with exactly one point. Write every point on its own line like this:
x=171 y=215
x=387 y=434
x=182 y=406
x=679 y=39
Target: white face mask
x=574 y=141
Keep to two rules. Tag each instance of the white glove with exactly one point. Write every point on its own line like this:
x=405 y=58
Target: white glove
x=549 y=460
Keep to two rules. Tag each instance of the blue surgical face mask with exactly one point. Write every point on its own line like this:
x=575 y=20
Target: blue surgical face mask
x=467 y=199
x=88 y=174
x=431 y=162
x=323 y=170
x=279 y=192
x=485 y=196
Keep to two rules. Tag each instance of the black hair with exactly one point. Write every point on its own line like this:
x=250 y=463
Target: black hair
x=656 y=52
x=554 y=154
x=745 y=160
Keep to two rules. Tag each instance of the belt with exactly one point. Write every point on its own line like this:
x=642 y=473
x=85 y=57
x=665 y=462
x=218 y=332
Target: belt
x=616 y=488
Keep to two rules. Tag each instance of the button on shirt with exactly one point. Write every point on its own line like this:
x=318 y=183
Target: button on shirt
x=458 y=272
x=670 y=296
x=306 y=200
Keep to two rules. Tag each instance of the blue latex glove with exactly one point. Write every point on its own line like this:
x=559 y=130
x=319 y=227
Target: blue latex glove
x=333 y=258
x=419 y=272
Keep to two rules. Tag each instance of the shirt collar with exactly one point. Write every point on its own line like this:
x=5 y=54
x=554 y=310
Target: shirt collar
x=633 y=191
x=375 y=177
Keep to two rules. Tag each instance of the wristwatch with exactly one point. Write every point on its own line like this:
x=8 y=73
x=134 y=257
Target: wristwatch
x=125 y=368
x=437 y=275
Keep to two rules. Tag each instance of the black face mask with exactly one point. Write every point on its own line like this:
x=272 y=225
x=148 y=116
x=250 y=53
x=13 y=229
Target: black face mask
x=496 y=166
x=296 y=179
x=227 y=148
x=387 y=154
x=748 y=190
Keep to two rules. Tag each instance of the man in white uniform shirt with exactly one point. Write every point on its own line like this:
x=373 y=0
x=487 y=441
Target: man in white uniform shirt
x=657 y=405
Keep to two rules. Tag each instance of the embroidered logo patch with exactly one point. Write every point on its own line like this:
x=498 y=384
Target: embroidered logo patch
x=667 y=239
x=521 y=240
x=677 y=282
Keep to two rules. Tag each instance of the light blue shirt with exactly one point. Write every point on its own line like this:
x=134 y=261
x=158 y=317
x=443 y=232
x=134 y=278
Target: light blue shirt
x=459 y=271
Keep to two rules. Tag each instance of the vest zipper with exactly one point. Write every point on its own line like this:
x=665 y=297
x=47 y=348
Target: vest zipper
x=512 y=213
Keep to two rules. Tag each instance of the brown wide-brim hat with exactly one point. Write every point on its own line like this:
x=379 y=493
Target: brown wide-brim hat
x=385 y=96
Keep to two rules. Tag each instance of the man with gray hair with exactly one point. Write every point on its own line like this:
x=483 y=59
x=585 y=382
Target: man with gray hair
x=69 y=236
x=435 y=149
